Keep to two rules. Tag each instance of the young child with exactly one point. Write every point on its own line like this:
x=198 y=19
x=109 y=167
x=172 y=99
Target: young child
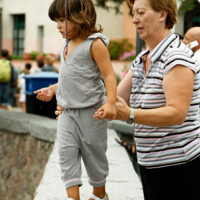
x=21 y=86
x=85 y=61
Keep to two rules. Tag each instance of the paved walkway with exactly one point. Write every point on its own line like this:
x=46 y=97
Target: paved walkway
x=122 y=182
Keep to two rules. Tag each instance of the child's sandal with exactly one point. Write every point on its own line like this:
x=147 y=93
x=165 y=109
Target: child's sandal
x=97 y=198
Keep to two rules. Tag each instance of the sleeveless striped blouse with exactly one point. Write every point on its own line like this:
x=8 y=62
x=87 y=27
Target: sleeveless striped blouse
x=165 y=146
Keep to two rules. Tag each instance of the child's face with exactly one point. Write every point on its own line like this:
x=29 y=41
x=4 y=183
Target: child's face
x=62 y=28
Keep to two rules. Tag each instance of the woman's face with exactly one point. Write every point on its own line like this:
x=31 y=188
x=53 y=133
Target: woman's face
x=146 y=19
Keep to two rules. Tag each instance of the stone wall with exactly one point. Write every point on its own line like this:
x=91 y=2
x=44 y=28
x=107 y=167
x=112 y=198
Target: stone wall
x=22 y=162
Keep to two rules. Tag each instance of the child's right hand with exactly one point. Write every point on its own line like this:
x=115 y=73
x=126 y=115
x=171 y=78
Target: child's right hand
x=107 y=111
x=44 y=94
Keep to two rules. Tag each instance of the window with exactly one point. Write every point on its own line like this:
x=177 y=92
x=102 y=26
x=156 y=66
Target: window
x=41 y=38
x=19 y=35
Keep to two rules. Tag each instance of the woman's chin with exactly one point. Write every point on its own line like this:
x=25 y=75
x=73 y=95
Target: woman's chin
x=142 y=37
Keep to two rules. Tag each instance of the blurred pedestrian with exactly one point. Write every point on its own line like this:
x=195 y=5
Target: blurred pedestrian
x=40 y=65
x=13 y=87
x=49 y=60
x=6 y=79
x=22 y=87
x=191 y=35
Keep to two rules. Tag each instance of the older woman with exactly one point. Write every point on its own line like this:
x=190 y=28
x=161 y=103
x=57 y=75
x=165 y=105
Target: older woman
x=162 y=90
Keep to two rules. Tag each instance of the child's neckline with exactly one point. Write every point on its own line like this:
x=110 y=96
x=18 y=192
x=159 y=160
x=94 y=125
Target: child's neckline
x=68 y=55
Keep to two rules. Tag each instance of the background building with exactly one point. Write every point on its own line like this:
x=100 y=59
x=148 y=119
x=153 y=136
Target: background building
x=26 y=27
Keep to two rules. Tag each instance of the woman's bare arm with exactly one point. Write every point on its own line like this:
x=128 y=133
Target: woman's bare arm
x=178 y=90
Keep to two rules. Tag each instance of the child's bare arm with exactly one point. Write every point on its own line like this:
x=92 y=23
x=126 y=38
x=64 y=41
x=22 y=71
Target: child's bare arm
x=46 y=94
x=101 y=56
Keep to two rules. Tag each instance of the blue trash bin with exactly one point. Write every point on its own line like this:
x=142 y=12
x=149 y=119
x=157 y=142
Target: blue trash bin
x=37 y=81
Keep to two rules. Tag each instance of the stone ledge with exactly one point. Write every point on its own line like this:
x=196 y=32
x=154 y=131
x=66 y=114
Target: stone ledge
x=24 y=123
x=121 y=126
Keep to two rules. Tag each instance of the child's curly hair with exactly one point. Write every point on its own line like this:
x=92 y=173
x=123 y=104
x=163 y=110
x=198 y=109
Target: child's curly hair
x=81 y=12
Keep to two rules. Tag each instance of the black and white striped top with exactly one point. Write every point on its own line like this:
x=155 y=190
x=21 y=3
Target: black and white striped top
x=165 y=146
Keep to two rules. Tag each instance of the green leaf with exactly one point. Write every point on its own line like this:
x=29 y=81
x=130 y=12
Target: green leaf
x=187 y=4
x=104 y=4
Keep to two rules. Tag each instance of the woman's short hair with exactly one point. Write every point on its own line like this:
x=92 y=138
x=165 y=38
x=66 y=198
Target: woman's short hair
x=80 y=12
x=168 y=5
x=49 y=59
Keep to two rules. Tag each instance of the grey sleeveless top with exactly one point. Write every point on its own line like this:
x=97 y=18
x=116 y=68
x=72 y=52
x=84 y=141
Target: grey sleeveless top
x=80 y=82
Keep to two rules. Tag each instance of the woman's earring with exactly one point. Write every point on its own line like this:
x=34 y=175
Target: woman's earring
x=160 y=20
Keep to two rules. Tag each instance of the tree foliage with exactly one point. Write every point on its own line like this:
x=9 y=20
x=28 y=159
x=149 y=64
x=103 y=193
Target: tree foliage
x=106 y=4
x=186 y=5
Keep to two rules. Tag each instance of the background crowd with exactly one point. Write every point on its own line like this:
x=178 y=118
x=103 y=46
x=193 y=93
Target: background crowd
x=12 y=81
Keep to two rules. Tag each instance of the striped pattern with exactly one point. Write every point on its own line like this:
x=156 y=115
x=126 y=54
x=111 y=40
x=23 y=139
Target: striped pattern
x=165 y=146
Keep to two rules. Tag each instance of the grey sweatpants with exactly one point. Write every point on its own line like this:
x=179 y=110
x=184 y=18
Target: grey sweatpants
x=80 y=135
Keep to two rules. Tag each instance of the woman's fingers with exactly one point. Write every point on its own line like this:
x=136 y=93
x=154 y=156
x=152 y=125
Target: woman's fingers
x=60 y=108
x=58 y=112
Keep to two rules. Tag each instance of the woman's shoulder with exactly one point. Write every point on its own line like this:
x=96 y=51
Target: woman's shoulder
x=179 y=54
x=179 y=49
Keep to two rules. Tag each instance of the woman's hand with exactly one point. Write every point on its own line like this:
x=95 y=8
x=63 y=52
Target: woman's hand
x=59 y=111
x=122 y=110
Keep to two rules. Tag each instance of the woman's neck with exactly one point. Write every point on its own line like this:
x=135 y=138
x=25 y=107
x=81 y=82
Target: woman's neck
x=157 y=39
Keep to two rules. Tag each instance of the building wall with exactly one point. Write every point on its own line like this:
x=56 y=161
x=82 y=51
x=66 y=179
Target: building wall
x=36 y=14
x=116 y=26
x=129 y=30
x=179 y=27
x=111 y=22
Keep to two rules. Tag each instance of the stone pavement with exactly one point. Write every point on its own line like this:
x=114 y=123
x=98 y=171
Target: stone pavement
x=122 y=182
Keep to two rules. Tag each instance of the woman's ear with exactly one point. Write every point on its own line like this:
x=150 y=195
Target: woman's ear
x=163 y=15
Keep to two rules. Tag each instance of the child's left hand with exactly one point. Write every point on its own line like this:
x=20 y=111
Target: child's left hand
x=107 y=111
